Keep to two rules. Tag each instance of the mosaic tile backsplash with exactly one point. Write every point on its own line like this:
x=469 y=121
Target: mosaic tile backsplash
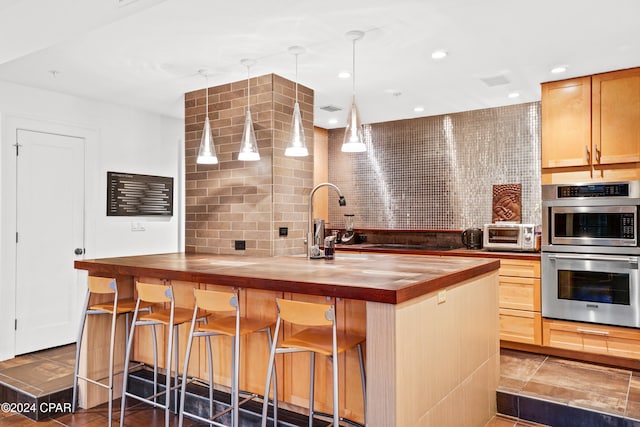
x=437 y=173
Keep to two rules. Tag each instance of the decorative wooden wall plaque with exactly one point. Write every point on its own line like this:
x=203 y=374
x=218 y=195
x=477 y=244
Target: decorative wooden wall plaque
x=131 y=194
x=507 y=203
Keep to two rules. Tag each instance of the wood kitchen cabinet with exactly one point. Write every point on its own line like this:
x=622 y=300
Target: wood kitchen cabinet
x=616 y=118
x=590 y=338
x=519 y=301
x=591 y=128
x=566 y=123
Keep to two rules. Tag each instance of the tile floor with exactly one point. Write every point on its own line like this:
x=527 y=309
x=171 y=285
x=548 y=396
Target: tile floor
x=568 y=383
x=611 y=395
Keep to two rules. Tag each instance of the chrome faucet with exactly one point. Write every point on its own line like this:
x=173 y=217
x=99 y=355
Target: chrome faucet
x=341 y=201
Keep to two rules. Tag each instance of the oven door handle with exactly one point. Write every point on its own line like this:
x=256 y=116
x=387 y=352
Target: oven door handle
x=633 y=261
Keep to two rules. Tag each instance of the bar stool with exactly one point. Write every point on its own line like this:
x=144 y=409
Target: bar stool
x=171 y=318
x=321 y=336
x=116 y=307
x=231 y=326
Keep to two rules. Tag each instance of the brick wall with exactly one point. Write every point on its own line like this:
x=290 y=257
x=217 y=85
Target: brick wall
x=250 y=201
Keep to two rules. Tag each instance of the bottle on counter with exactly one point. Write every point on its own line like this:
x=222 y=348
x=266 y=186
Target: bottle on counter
x=329 y=247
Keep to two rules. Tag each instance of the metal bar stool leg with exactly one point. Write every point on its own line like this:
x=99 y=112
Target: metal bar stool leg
x=154 y=339
x=112 y=343
x=275 y=379
x=363 y=378
x=312 y=376
x=78 y=344
x=184 y=372
x=126 y=366
x=267 y=386
x=210 y=365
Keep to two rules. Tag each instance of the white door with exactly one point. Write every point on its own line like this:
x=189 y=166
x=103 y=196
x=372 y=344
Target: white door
x=50 y=226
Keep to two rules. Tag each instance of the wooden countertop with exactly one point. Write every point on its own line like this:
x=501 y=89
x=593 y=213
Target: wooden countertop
x=460 y=252
x=383 y=277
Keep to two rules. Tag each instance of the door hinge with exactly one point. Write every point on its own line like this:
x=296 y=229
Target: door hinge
x=16 y=237
x=17 y=149
x=15 y=324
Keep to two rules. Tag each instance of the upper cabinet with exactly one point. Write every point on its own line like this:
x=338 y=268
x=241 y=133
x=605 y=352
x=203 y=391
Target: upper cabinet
x=566 y=123
x=591 y=128
x=616 y=117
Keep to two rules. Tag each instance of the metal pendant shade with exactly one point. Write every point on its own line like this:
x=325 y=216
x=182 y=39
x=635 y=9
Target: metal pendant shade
x=353 y=141
x=297 y=146
x=207 y=151
x=248 y=144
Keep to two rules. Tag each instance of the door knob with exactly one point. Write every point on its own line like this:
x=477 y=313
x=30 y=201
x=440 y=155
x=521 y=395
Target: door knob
x=79 y=251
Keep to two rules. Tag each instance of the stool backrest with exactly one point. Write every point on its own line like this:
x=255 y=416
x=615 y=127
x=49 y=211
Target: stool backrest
x=154 y=293
x=215 y=300
x=102 y=285
x=306 y=313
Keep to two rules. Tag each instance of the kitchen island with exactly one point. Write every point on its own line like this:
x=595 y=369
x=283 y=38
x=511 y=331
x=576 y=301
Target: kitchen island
x=431 y=325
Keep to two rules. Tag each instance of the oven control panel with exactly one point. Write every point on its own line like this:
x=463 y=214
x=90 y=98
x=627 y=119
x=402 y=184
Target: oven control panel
x=628 y=229
x=594 y=190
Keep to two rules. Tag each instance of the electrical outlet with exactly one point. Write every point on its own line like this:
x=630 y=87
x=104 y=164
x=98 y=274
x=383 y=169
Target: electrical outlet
x=240 y=245
x=442 y=296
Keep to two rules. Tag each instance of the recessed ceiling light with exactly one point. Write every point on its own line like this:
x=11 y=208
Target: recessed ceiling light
x=418 y=109
x=344 y=74
x=559 y=69
x=513 y=94
x=439 y=54
x=333 y=121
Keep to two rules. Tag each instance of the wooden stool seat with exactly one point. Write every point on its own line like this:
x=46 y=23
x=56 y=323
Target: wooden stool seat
x=181 y=315
x=227 y=326
x=124 y=306
x=320 y=340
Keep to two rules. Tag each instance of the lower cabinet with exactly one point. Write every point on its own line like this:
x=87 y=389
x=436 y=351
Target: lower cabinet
x=590 y=338
x=519 y=301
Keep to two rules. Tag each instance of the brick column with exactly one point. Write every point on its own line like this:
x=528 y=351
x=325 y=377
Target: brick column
x=250 y=201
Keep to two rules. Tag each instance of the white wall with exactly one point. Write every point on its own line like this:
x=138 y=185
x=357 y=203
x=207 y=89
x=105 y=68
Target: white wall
x=118 y=139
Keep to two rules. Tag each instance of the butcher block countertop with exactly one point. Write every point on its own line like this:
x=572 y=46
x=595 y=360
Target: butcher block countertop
x=376 y=277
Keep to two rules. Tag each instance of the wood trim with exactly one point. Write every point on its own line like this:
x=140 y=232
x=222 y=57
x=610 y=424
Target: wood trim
x=381 y=364
x=601 y=359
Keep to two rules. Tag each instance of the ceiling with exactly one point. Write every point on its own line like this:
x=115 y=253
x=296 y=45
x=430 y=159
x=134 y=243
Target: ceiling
x=147 y=53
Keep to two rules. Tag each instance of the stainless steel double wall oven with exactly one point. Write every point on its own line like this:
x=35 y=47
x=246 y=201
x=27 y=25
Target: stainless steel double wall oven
x=590 y=252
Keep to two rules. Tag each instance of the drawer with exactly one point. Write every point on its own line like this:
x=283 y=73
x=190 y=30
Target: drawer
x=520 y=326
x=519 y=268
x=519 y=293
x=600 y=339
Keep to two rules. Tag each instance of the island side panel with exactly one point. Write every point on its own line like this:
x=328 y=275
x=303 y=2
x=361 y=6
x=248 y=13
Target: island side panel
x=432 y=358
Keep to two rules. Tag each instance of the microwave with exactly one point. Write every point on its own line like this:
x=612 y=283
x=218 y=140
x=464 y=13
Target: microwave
x=510 y=236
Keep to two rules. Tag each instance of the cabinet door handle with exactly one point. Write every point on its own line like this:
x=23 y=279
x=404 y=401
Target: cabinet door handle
x=598 y=154
x=592 y=332
x=588 y=154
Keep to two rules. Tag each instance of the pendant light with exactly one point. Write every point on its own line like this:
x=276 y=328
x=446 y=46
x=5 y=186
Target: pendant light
x=353 y=141
x=297 y=146
x=248 y=145
x=207 y=151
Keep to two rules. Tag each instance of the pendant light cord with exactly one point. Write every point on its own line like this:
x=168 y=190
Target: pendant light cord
x=248 y=87
x=296 y=78
x=354 y=67
x=206 y=96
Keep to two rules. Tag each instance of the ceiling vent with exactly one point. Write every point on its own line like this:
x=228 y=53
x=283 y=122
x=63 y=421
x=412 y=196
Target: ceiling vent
x=499 y=80
x=330 y=108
